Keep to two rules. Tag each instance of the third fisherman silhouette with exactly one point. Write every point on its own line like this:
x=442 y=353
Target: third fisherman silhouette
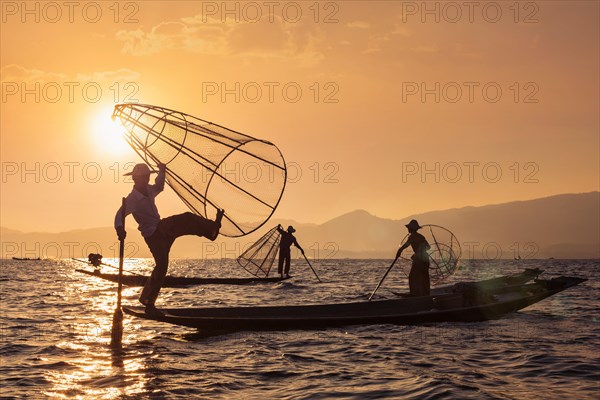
x=418 y=278
x=158 y=233
x=287 y=239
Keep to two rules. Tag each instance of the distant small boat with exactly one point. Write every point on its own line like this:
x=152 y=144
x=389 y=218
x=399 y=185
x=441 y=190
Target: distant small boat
x=462 y=302
x=26 y=259
x=179 y=281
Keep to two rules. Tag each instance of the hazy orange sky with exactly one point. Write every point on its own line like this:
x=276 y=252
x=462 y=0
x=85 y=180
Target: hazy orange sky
x=359 y=135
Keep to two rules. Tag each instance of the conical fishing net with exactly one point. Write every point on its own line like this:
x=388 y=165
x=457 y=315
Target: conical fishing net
x=209 y=166
x=444 y=253
x=259 y=257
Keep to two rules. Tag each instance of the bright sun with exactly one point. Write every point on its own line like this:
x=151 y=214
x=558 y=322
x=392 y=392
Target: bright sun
x=108 y=134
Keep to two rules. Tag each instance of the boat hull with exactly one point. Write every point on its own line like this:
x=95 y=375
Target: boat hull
x=179 y=281
x=464 y=306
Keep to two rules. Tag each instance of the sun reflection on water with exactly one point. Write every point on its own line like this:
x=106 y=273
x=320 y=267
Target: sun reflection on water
x=98 y=372
x=56 y=325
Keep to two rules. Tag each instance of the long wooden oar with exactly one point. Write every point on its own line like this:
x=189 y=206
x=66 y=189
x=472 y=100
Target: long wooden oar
x=382 y=279
x=108 y=265
x=313 y=270
x=116 y=337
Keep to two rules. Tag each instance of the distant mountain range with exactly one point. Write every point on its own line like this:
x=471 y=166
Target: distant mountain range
x=561 y=226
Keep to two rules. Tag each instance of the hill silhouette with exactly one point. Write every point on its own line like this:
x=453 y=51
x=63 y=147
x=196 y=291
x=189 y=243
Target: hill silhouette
x=561 y=226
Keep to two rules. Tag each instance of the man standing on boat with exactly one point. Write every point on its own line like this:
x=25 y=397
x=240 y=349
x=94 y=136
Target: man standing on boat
x=158 y=233
x=287 y=239
x=418 y=278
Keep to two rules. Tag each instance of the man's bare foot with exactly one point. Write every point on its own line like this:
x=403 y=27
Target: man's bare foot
x=212 y=236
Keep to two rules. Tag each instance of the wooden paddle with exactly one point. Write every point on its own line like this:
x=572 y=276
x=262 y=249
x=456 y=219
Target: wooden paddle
x=116 y=337
x=107 y=265
x=382 y=279
x=313 y=270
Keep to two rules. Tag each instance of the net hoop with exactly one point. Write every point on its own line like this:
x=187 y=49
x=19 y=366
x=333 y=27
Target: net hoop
x=259 y=258
x=194 y=149
x=443 y=255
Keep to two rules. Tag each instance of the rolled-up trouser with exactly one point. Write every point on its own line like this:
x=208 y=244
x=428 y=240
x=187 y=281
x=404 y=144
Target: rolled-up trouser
x=284 y=257
x=162 y=239
x=418 y=278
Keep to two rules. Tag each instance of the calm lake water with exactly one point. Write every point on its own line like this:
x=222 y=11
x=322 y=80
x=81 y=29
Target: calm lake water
x=55 y=328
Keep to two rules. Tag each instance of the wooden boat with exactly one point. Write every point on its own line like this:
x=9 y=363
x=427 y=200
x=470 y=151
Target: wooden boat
x=489 y=284
x=465 y=302
x=179 y=281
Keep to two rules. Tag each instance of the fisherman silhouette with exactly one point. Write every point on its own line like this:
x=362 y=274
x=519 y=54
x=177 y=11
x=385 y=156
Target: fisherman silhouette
x=287 y=239
x=418 y=278
x=158 y=233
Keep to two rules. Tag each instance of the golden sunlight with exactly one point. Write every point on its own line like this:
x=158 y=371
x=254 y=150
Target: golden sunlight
x=108 y=134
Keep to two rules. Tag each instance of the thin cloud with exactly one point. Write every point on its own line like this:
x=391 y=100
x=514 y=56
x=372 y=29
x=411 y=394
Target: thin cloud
x=203 y=35
x=206 y=38
x=18 y=73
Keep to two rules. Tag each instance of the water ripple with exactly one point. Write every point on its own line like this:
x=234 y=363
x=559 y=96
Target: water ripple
x=55 y=334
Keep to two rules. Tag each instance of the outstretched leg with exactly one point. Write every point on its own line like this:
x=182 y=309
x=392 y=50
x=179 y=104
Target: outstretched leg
x=192 y=224
x=161 y=241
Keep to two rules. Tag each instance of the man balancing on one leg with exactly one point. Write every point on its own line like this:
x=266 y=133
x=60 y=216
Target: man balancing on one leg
x=418 y=278
x=159 y=233
x=287 y=239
